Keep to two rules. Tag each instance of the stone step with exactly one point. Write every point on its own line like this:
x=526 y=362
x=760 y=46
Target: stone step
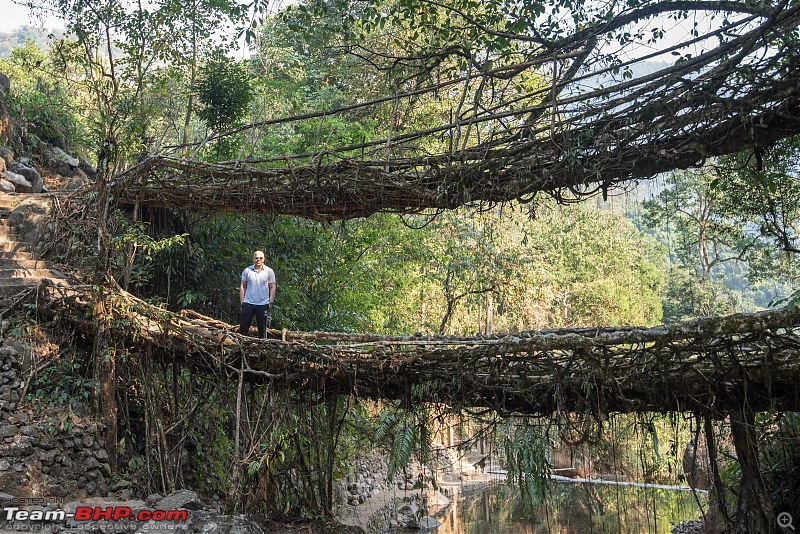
x=8 y=202
x=6 y=231
x=19 y=269
x=15 y=280
x=21 y=263
x=9 y=291
x=27 y=274
x=13 y=285
x=16 y=255
x=13 y=246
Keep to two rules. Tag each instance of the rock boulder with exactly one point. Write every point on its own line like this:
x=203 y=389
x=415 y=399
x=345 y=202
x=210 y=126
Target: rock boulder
x=59 y=161
x=30 y=174
x=21 y=185
x=6 y=155
x=32 y=222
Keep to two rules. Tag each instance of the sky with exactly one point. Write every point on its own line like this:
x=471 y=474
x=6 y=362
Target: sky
x=13 y=15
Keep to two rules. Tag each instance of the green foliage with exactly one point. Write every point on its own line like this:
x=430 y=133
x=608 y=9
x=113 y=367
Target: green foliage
x=568 y=267
x=475 y=258
x=17 y=38
x=761 y=189
x=224 y=92
x=25 y=323
x=386 y=422
x=410 y=437
x=427 y=36
x=792 y=300
x=405 y=438
x=40 y=103
x=136 y=250
x=296 y=461
x=526 y=449
x=213 y=449
x=329 y=278
x=603 y=271
x=645 y=447
x=724 y=227
x=300 y=71
x=779 y=458
x=66 y=382
x=688 y=296
x=704 y=235
x=131 y=67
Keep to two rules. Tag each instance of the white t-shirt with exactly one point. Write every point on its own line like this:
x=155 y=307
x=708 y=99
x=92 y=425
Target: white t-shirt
x=257 y=291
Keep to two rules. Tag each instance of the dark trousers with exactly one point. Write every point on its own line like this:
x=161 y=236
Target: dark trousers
x=248 y=311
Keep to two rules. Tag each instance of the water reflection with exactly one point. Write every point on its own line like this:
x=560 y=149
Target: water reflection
x=570 y=508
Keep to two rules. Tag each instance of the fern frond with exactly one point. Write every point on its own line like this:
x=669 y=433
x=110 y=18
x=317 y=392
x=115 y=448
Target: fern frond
x=527 y=462
x=386 y=422
x=402 y=448
x=423 y=443
x=254 y=467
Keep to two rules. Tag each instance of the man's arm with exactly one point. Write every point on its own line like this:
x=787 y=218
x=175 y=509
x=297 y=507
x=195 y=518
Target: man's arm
x=271 y=293
x=242 y=289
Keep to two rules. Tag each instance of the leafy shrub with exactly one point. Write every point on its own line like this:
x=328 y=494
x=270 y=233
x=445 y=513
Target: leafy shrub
x=40 y=104
x=64 y=383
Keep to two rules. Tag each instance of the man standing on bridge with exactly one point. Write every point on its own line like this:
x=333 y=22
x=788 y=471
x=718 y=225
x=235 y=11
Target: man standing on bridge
x=256 y=295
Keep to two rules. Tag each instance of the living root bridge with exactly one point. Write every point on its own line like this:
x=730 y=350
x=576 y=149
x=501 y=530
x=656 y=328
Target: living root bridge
x=714 y=365
x=583 y=131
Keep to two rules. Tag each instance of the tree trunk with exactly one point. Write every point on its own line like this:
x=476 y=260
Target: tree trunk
x=105 y=373
x=489 y=313
x=104 y=357
x=716 y=520
x=192 y=73
x=754 y=511
x=703 y=245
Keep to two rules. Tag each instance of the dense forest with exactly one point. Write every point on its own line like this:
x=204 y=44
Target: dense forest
x=704 y=241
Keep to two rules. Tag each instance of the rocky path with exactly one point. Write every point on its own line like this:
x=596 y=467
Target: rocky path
x=19 y=268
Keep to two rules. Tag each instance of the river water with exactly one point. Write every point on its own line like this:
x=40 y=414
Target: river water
x=571 y=508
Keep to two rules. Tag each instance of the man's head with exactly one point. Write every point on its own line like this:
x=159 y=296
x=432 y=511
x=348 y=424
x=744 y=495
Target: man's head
x=258 y=257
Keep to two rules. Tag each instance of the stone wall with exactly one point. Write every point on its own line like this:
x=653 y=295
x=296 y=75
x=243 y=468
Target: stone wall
x=9 y=383
x=46 y=453
x=367 y=478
